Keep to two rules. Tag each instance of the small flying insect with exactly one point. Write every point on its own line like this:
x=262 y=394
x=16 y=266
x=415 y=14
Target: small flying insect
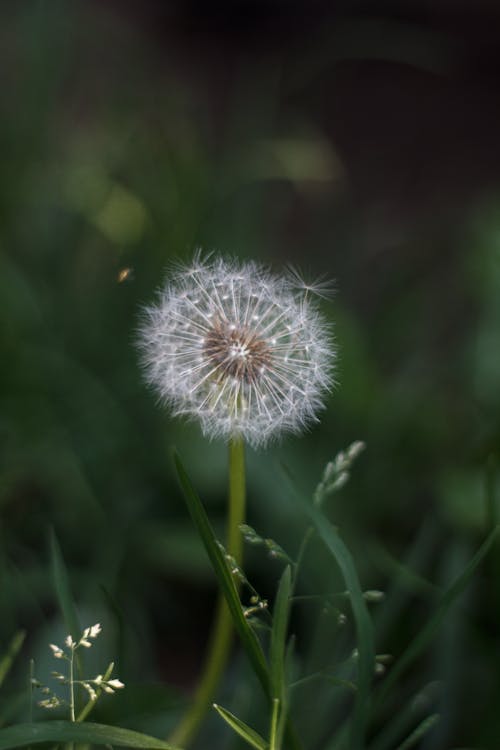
x=125 y=274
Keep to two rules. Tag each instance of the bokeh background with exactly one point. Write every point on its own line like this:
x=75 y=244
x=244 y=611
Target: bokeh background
x=357 y=140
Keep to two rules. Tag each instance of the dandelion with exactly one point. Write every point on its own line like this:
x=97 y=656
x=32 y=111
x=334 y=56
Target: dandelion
x=242 y=350
x=247 y=354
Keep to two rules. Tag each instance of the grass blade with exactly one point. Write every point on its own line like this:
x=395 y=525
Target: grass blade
x=406 y=717
x=247 y=733
x=277 y=646
x=419 y=732
x=364 y=629
x=67 y=731
x=248 y=638
x=63 y=589
x=277 y=657
x=425 y=636
x=11 y=653
x=224 y=577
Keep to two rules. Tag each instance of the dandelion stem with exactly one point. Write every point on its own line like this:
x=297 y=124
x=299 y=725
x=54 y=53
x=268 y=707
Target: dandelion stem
x=236 y=498
x=220 y=640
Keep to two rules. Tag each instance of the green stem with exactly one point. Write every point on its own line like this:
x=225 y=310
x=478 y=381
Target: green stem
x=71 y=687
x=273 y=734
x=71 y=745
x=220 y=640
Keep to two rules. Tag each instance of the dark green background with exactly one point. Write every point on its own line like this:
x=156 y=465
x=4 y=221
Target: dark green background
x=358 y=140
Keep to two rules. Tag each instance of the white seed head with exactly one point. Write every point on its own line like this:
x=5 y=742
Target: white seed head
x=242 y=350
x=57 y=652
x=117 y=684
x=94 y=631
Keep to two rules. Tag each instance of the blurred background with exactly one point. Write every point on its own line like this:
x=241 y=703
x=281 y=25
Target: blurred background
x=354 y=139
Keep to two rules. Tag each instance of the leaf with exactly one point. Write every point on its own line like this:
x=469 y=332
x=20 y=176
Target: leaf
x=63 y=589
x=67 y=731
x=277 y=657
x=419 y=732
x=429 y=630
x=11 y=653
x=278 y=635
x=401 y=721
x=366 y=649
x=364 y=628
x=224 y=577
x=248 y=638
x=244 y=731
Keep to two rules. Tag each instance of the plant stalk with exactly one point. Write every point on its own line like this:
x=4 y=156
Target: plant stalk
x=71 y=686
x=221 y=636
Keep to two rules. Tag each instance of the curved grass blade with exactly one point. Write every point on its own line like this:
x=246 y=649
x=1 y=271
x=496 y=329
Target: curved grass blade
x=364 y=628
x=277 y=657
x=419 y=732
x=11 y=653
x=224 y=577
x=63 y=589
x=425 y=636
x=247 y=733
x=247 y=636
x=69 y=732
x=277 y=646
x=401 y=723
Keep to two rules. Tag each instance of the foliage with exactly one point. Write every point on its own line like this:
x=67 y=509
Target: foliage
x=128 y=140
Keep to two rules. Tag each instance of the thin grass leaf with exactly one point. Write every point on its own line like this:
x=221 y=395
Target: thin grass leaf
x=11 y=653
x=337 y=681
x=68 y=732
x=277 y=656
x=63 y=588
x=247 y=733
x=401 y=722
x=364 y=629
x=119 y=627
x=248 y=638
x=277 y=646
x=224 y=577
x=425 y=636
x=396 y=570
x=417 y=734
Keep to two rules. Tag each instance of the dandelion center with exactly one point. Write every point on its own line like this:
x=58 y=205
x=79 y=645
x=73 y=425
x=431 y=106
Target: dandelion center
x=236 y=352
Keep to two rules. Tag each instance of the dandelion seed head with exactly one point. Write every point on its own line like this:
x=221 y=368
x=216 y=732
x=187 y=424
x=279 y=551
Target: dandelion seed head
x=239 y=349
